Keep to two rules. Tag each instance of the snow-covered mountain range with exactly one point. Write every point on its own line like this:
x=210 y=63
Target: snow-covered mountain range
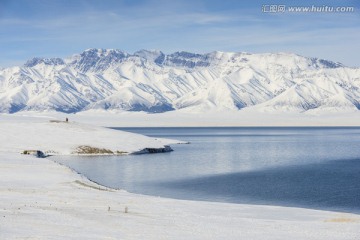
x=152 y=81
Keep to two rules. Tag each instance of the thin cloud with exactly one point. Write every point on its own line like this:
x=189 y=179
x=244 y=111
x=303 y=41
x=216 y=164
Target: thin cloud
x=174 y=25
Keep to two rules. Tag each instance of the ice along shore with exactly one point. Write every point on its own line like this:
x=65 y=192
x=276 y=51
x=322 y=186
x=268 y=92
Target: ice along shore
x=40 y=199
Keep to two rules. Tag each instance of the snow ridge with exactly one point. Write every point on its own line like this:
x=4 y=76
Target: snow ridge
x=152 y=81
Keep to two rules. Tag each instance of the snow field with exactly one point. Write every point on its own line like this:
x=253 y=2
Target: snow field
x=43 y=200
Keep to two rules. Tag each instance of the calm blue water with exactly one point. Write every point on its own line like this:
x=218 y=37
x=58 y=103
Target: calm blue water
x=304 y=167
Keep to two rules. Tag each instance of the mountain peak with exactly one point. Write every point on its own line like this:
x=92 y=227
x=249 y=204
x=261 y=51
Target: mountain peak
x=326 y=63
x=101 y=51
x=151 y=55
x=187 y=59
x=47 y=61
x=94 y=59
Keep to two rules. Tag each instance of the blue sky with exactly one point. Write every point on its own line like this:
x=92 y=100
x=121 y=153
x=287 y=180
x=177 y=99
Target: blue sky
x=60 y=28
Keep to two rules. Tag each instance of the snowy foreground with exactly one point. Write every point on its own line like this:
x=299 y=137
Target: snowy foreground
x=40 y=199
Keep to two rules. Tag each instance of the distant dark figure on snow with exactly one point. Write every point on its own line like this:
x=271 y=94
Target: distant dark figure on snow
x=66 y=120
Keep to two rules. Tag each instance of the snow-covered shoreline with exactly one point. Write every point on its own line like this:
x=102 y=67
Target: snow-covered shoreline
x=40 y=199
x=64 y=138
x=243 y=118
x=43 y=200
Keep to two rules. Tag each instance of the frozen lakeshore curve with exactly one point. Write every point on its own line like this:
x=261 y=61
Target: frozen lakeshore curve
x=44 y=200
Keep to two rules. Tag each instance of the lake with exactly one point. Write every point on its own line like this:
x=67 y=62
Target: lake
x=303 y=167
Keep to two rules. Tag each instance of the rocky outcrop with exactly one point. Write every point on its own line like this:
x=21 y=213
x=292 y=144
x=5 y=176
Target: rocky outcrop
x=164 y=149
